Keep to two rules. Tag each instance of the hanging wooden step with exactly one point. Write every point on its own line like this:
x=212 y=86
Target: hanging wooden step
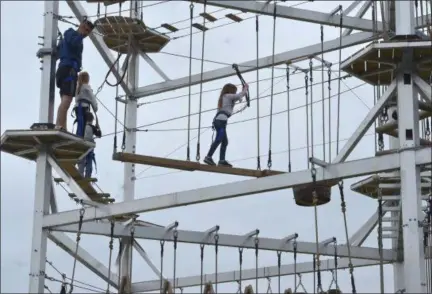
x=106 y=2
x=120 y=33
x=27 y=143
x=190 y=165
x=90 y=180
x=393 y=125
x=86 y=186
x=390 y=185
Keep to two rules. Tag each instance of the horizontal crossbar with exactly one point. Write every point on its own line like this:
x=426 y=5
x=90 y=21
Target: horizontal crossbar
x=344 y=170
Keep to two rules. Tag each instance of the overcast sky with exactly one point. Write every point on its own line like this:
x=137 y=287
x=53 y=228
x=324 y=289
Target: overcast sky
x=275 y=214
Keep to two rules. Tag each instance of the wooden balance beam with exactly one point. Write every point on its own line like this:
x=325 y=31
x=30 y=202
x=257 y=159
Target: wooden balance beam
x=191 y=165
x=392 y=126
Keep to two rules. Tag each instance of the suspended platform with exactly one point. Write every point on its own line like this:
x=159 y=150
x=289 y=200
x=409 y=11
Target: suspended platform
x=389 y=185
x=190 y=165
x=106 y=2
x=376 y=64
x=120 y=33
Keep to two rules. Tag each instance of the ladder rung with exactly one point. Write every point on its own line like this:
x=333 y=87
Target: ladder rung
x=390 y=229
x=389 y=236
x=390 y=219
x=208 y=16
x=391 y=208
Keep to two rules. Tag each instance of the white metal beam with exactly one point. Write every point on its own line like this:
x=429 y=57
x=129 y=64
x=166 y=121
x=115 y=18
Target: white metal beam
x=264 y=62
x=362 y=11
x=68 y=245
x=249 y=274
x=228 y=240
x=153 y=65
x=79 y=12
x=146 y=258
x=53 y=199
x=423 y=88
x=365 y=124
x=295 y=14
x=352 y=7
x=350 y=169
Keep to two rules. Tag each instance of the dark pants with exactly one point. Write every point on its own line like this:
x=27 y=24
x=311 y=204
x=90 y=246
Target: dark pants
x=66 y=80
x=221 y=138
x=80 y=113
x=85 y=166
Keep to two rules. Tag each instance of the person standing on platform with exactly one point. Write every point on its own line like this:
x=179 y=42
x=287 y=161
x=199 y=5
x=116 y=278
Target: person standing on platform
x=69 y=52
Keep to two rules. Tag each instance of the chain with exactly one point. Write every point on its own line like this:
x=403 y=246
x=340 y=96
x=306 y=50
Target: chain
x=307 y=114
x=110 y=254
x=256 y=263
x=269 y=289
x=175 y=236
x=295 y=263
x=202 y=265
x=241 y=265
x=216 y=238
x=329 y=110
x=162 y=246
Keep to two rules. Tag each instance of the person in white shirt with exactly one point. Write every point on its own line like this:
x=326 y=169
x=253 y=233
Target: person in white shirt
x=227 y=99
x=84 y=98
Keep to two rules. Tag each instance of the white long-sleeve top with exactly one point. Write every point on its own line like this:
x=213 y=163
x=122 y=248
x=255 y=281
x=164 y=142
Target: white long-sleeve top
x=86 y=95
x=228 y=102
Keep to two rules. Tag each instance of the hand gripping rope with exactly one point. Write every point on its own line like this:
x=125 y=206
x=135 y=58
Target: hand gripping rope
x=235 y=67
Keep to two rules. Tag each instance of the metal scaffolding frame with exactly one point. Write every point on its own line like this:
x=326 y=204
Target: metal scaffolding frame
x=409 y=274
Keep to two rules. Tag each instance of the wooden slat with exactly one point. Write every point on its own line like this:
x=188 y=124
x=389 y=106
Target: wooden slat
x=190 y=165
x=391 y=126
x=97 y=197
x=91 y=180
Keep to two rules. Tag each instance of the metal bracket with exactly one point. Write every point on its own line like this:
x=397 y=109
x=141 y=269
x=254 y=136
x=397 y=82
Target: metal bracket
x=44 y=52
x=318 y=162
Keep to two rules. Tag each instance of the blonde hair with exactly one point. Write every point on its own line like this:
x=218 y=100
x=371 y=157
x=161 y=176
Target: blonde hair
x=227 y=89
x=83 y=78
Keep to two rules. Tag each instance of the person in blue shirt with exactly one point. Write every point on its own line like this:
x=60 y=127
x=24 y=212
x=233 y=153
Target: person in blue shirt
x=70 y=54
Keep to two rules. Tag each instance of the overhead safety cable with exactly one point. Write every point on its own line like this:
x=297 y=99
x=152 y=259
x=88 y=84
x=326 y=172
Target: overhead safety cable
x=140 y=128
x=258 y=91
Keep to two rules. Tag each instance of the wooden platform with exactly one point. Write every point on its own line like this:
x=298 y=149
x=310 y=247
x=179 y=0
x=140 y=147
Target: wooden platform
x=376 y=64
x=390 y=185
x=106 y=2
x=190 y=165
x=389 y=127
x=27 y=143
x=119 y=32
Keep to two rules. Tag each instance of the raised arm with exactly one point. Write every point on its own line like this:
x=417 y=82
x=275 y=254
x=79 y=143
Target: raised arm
x=72 y=37
x=237 y=97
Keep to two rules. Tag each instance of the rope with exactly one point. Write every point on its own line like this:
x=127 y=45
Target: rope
x=288 y=118
x=258 y=92
x=315 y=202
x=269 y=162
x=201 y=84
x=279 y=263
x=307 y=117
x=350 y=265
x=311 y=105
x=191 y=7
x=78 y=238
x=339 y=80
x=322 y=92
x=115 y=121
x=329 y=110
x=380 y=237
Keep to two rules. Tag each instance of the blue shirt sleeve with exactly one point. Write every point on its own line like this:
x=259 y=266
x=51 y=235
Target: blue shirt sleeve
x=72 y=37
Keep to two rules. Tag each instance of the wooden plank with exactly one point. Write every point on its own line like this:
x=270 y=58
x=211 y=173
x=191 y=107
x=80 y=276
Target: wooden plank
x=97 y=197
x=391 y=126
x=190 y=165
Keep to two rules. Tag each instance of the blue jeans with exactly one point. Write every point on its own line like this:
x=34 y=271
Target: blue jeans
x=80 y=113
x=85 y=166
